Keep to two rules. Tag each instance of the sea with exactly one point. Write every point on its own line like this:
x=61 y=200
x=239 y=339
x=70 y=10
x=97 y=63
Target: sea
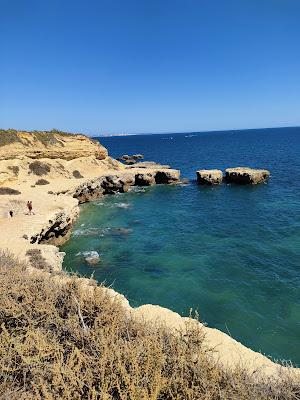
x=230 y=253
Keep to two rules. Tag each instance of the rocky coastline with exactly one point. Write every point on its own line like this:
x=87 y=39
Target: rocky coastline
x=56 y=205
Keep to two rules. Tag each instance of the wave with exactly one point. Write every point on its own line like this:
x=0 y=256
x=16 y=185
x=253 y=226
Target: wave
x=112 y=205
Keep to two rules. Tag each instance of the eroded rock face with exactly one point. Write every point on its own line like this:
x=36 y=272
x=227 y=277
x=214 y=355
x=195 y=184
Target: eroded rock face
x=144 y=179
x=209 y=176
x=245 y=175
x=168 y=176
x=54 y=144
x=93 y=189
x=58 y=230
x=120 y=183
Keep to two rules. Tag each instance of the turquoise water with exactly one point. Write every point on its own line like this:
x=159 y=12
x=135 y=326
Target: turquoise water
x=231 y=252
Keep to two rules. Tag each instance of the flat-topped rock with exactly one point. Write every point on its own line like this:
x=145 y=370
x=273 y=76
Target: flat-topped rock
x=245 y=175
x=209 y=176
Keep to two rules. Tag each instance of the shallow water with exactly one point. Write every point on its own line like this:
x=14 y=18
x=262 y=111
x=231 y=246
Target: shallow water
x=231 y=252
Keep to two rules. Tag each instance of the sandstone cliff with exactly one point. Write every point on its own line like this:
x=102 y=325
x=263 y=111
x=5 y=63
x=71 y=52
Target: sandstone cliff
x=53 y=144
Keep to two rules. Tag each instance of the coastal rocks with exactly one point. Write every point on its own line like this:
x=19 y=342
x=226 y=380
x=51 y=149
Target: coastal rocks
x=152 y=177
x=238 y=175
x=58 y=229
x=91 y=257
x=167 y=176
x=111 y=184
x=130 y=160
x=245 y=175
x=120 y=183
x=209 y=176
x=138 y=156
x=144 y=179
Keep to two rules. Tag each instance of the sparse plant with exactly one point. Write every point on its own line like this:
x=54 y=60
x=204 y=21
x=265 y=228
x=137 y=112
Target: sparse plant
x=37 y=260
x=8 y=136
x=14 y=168
x=42 y=182
x=77 y=174
x=38 y=168
x=8 y=190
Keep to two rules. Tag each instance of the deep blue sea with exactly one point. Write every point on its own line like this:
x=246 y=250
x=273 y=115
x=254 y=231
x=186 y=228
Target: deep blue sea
x=230 y=252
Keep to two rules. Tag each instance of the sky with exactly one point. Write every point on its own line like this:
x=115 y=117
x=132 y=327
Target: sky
x=149 y=66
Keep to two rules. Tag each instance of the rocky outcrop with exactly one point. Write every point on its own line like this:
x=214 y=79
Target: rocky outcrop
x=54 y=144
x=58 y=229
x=110 y=184
x=91 y=257
x=209 y=176
x=130 y=160
x=245 y=175
x=120 y=182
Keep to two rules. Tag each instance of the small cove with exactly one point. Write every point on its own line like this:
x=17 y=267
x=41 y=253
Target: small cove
x=230 y=252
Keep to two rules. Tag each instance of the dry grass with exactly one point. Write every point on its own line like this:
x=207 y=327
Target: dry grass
x=56 y=342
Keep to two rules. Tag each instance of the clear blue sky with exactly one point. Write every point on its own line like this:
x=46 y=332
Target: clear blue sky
x=149 y=66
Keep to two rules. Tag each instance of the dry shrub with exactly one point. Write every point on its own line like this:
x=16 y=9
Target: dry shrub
x=77 y=174
x=37 y=260
x=38 y=168
x=57 y=342
x=10 y=191
x=42 y=182
x=14 y=168
x=8 y=136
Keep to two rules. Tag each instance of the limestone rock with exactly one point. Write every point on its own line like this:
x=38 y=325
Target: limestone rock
x=91 y=257
x=167 y=176
x=138 y=156
x=130 y=160
x=245 y=175
x=144 y=179
x=209 y=176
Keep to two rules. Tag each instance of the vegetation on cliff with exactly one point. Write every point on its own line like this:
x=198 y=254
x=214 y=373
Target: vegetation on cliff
x=9 y=136
x=15 y=144
x=58 y=342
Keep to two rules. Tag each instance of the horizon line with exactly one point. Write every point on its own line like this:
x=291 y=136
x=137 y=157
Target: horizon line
x=191 y=132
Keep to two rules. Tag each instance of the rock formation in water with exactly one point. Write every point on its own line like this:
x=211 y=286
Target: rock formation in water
x=209 y=176
x=245 y=175
x=130 y=160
